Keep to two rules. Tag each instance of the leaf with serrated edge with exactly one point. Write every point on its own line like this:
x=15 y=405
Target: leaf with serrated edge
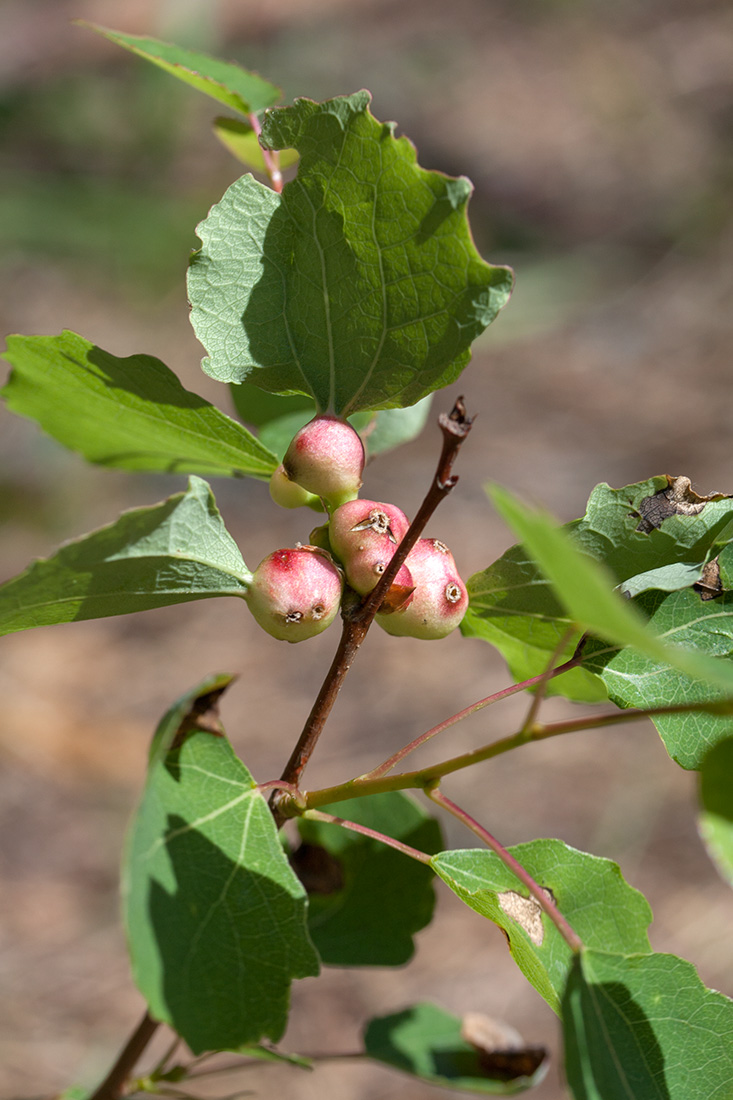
x=170 y=553
x=215 y=918
x=426 y=1041
x=385 y=898
x=637 y=679
x=513 y=607
x=645 y=1028
x=132 y=413
x=715 y=820
x=589 y=891
x=224 y=81
x=585 y=588
x=359 y=285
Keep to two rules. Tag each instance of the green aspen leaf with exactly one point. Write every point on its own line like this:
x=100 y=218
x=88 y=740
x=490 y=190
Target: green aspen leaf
x=215 y=918
x=224 y=81
x=585 y=588
x=258 y=407
x=513 y=606
x=641 y=679
x=132 y=413
x=426 y=1042
x=359 y=285
x=590 y=892
x=369 y=900
x=646 y=1028
x=242 y=142
x=716 y=806
x=173 y=552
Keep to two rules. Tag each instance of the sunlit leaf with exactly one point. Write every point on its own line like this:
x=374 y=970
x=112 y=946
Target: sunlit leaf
x=215 y=918
x=590 y=892
x=170 y=553
x=132 y=413
x=360 y=285
x=224 y=81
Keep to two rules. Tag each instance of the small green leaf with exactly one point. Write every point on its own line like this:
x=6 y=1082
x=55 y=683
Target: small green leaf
x=215 y=918
x=242 y=142
x=224 y=81
x=426 y=1041
x=590 y=892
x=716 y=814
x=646 y=1028
x=382 y=898
x=360 y=285
x=176 y=551
x=132 y=414
x=586 y=590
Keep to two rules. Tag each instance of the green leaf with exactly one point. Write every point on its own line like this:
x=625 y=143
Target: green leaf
x=637 y=679
x=176 y=551
x=257 y=407
x=590 y=892
x=716 y=814
x=426 y=1041
x=359 y=285
x=645 y=1028
x=586 y=590
x=389 y=428
x=224 y=81
x=667 y=578
x=513 y=606
x=373 y=899
x=215 y=918
x=130 y=413
x=242 y=142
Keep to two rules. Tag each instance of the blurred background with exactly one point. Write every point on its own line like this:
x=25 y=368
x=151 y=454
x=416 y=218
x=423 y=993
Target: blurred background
x=599 y=139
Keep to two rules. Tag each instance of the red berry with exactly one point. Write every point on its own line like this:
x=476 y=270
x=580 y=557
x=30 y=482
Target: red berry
x=440 y=598
x=295 y=593
x=364 y=535
x=326 y=457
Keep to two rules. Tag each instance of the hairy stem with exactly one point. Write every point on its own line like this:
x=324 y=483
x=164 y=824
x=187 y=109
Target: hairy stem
x=358 y=615
x=112 y=1086
x=571 y=938
x=355 y=827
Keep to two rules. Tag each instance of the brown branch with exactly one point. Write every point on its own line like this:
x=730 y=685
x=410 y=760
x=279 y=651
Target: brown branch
x=358 y=616
x=112 y=1086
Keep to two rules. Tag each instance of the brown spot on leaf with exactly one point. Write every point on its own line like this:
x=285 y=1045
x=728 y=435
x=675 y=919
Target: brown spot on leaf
x=527 y=912
x=317 y=869
x=710 y=585
x=202 y=716
x=678 y=499
x=501 y=1050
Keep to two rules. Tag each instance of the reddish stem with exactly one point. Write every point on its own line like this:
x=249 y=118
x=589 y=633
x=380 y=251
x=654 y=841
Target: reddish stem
x=355 y=827
x=270 y=157
x=571 y=938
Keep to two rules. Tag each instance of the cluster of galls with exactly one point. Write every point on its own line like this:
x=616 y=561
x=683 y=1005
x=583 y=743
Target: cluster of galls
x=295 y=594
